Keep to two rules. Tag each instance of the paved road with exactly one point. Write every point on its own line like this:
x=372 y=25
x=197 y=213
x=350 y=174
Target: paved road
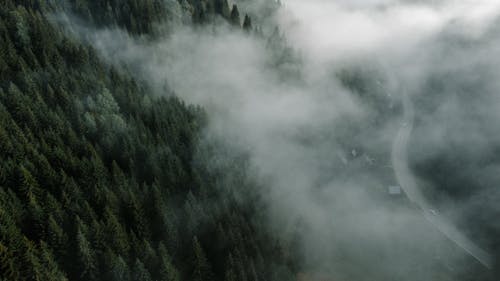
x=409 y=184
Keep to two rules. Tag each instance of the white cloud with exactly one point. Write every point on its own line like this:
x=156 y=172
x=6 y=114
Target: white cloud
x=295 y=129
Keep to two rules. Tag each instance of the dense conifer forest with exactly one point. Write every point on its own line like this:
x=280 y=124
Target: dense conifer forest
x=101 y=180
x=298 y=160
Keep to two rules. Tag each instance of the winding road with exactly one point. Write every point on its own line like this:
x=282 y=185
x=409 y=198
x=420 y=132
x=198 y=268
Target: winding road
x=408 y=183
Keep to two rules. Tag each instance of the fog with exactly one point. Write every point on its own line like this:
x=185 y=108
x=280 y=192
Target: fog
x=320 y=144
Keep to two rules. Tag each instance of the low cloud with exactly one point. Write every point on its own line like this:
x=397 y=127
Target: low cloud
x=320 y=138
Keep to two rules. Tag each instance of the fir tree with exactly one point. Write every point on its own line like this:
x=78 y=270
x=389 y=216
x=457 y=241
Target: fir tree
x=247 y=23
x=235 y=16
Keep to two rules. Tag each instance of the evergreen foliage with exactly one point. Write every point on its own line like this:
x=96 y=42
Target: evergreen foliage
x=235 y=16
x=99 y=180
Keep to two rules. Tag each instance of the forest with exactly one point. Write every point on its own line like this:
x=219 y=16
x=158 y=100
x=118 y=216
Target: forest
x=102 y=180
x=249 y=140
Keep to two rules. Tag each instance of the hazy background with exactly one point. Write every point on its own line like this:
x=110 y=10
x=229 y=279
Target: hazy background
x=317 y=105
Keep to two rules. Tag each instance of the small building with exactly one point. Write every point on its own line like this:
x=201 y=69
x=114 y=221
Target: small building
x=395 y=190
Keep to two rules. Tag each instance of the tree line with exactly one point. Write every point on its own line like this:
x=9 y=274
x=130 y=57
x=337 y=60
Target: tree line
x=99 y=179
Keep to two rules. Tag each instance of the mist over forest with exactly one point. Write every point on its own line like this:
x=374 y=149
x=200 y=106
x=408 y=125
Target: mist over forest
x=249 y=140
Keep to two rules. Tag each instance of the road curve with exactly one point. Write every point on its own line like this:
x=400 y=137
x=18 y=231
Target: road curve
x=408 y=183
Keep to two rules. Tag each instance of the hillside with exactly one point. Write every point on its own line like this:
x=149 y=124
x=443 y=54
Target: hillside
x=102 y=180
x=249 y=140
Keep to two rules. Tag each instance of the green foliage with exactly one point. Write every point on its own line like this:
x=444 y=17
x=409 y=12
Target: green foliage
x=222 y=8
x=167 y=270
x=86 y=258
x=204 y=11
x=235 y=16
x=139 y=272
x=99 y=179
x=247 y=23
x=138 y=17
x=202 y=269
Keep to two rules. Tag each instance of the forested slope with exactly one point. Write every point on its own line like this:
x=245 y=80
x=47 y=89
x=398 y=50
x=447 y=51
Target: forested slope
x=100 y=180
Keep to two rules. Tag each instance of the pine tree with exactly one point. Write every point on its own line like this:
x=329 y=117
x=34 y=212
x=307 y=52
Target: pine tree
x=86 y=261
x=28 y=186
x=116 y=235
x=139 y=272
x=167 y=271
x=222 y=8
x=119 y=270
x=235 y=16
x=247 y=23
x=202 y=270
x=56 y=237
x=230 y=274
x=51 y=268
x=31 y=267
x=8 y=266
